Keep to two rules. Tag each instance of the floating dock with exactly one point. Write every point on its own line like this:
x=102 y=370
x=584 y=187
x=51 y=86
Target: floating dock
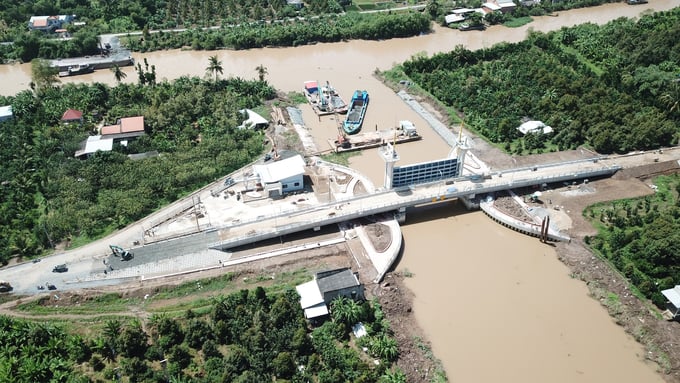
x=368 y=140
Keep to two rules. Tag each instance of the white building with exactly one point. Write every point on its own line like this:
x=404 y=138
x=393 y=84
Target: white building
x=534 y=127
x=6 y=113
x=283 y=176
x=673 y=304
x=253 y=120
x=317 y=294
x=94 y=144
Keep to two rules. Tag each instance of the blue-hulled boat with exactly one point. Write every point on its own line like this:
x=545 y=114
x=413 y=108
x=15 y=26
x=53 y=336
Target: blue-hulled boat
x=356 y=112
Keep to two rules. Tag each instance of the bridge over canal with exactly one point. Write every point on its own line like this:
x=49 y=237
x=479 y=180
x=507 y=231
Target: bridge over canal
x=262 y=227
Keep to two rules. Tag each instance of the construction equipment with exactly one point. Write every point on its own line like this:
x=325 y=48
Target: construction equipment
x=122 y=253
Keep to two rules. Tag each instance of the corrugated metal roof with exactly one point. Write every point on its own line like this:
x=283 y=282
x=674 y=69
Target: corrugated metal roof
x=309 y=294
x=132 y=124
x=316 y=311
x=338 y=281
x=673 y=295
x=95 y=143
x=280 y=170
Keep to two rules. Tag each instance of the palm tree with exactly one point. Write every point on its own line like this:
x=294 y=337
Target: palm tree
x=672 y=97
x=384 y=347
x=346 y=311
x=118 y=73
x=261 y=72
x=214 y=66
x=43 y=75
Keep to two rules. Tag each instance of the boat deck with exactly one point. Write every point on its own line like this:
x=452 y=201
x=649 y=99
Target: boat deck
x=368 y=140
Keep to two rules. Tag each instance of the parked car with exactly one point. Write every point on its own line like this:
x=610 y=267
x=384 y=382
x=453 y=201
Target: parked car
x=5 y=287
x=633 y=2
x=60 y=268
x=471 y=27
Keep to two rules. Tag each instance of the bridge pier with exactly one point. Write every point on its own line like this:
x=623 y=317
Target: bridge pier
x=470 y=202
x=400 y=215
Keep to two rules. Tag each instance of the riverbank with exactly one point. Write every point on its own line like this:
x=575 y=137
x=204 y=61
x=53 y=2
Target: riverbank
x=637 y=316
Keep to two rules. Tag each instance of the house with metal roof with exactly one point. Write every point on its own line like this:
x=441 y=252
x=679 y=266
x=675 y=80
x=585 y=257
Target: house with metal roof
x=253 y=120
x=49 y=23
x=317 y=294
x=128 y=127
x=534 y=126
x=6 y=113
x=673 y=304
x=282 y=176
x=94 y=144
x=125 y=130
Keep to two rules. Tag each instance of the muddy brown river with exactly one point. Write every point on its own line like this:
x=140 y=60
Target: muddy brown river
x=496 y=305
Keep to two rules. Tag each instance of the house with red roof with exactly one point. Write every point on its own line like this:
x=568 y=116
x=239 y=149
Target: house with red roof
x=72 y=115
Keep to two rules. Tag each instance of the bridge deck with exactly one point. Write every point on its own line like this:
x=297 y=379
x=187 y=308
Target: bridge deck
x=271 y=226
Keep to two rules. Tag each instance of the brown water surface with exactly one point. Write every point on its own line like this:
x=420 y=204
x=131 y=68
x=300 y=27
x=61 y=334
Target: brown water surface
x=498 y=306
x=345 y=64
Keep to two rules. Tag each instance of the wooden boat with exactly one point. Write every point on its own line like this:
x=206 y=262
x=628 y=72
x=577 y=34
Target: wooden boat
x=356 y=112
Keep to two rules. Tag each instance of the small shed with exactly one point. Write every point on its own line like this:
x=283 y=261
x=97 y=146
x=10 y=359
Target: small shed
x=253 y=120
x=94 y=144
x=454 y=18
x=317 y=294
x=534 y=126
x=506 y=6
x=6 y=113
x=297 y=4
x=490 y=7
x=339 y=282
x=673 y=304
x=72 y=115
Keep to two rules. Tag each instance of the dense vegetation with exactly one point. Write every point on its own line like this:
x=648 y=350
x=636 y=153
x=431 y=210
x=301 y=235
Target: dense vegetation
x=49 y=196
x=613 y=87
x=289 y=33
x=240 y=25
x=641 y=237
x=247 y=336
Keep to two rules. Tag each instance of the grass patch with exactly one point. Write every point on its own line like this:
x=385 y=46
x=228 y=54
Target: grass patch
x=340 y=158
x=223 y=282
x=82 y=240
x=518 y=22
x=100 y=304
x=439 y=374
x=596 y=69
x=297 y=98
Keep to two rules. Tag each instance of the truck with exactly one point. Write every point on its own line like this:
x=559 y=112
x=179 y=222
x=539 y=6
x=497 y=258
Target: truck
x=407 y=128
x=60 y=268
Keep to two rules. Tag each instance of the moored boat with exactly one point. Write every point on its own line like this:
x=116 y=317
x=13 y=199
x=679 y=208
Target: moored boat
x=335 y=103
x=323 y=99
x=74 y=70
x=356 y=112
